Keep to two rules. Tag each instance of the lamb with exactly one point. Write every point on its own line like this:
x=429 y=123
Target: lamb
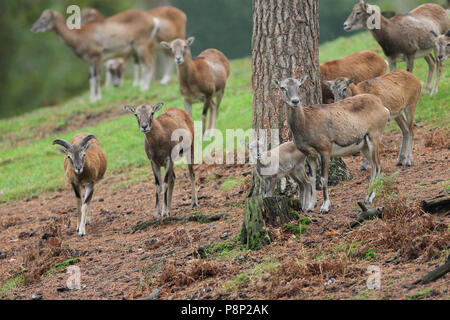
x=85 y=164
x=404 y=37
x=399 y=91
x=162 y=147
x=282 y=161
x=442 y=43
x=335 y=130
x=131 y=31
x=200 y=79
x=361 y=65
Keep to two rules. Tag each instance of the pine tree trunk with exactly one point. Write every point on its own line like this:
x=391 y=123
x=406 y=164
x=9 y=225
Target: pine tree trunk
x=285 y=43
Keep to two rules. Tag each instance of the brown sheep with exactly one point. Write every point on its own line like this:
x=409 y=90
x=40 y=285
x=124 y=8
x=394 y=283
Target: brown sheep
x=360 y=66
x=85 y=164
x=200 y=79
x=399 y=91
x=162 y=146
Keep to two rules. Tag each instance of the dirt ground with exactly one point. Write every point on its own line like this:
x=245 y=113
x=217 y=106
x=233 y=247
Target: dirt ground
x=118 y=263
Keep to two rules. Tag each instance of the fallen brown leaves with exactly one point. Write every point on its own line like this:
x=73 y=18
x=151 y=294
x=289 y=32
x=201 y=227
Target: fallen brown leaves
x=436 y=139
x=406 y=227
x=174 y=274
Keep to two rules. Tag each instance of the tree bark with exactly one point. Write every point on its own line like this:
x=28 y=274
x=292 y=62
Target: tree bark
x=285 y=43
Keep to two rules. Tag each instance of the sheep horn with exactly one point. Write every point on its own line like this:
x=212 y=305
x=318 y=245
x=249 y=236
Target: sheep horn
x=86 y=139
x=63 y=143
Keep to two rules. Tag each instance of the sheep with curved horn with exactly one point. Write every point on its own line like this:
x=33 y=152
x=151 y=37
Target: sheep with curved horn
x=85 y=164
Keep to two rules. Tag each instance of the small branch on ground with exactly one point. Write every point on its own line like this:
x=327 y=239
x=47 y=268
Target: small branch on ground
x=366 y=214
x=201 y=218
x=439 y=204
x=435 y=274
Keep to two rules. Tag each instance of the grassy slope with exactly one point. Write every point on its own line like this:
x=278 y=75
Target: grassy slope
x=29 y=165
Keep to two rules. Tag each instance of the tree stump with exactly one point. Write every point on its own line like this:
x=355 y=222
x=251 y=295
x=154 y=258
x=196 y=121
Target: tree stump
x=337 y=173
x=260 y=213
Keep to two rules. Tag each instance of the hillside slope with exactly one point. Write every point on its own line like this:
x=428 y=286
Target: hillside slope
x=29 y=165
x=126 y=254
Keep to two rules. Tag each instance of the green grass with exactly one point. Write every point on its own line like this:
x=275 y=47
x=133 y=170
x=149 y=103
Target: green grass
x=61 y=267
x=246 y=276
x=231 y=183
x=10 y=285
x=422 y=294
x=30 y=165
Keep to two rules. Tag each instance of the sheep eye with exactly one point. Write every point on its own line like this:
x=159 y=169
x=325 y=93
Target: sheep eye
x=283 y=89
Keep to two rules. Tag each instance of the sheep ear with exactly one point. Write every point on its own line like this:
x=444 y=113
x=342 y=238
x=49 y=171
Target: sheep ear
x=434 y=33
x=157 y=107
x=327 y=83
x=63 y=151
x=129 y=109
x=303 y=79
x=276 y=83
x=165 y=44
x=88 y=146
x=364 y=5
x=190 y=41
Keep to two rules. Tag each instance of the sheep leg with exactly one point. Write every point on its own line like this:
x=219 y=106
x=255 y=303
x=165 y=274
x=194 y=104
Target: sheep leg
x=95 y=69
x=165 y=187
x=108 y=81
x=438 y=77
x=302 y=187
x=206 y=107
x=136 y=71
x=77 y=191
x=410 y=63
x=325 y=165
x=192 y=178
x=364 y=164
x=147 y=69
x=92 y=81
x=410 y=123
x=305 y=186
x=157 y=173
x=312 y=178
x=188 y=106
x=370 y=150
x=431 y=66
x=392 y=64
x=85 y=208
x=269 y=185
x=170 y=190
x=405 y=133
